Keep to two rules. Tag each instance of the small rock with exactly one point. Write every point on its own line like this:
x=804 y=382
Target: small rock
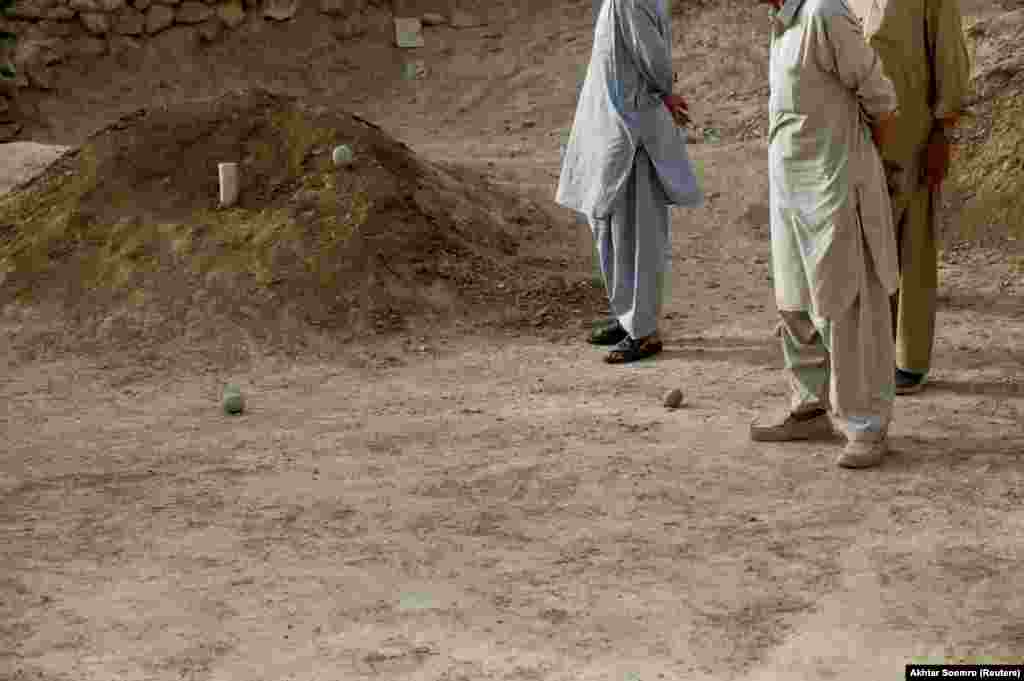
x=432 y=19
x=342 y=155
x=414 y=70
x=142 y=5
x=674 y=398
x=280 y=10
x=192 y=12
x=233 y=401
x=408 y=32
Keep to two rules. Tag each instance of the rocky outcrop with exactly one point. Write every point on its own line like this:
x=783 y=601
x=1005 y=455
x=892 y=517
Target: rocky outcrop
x=55 y=32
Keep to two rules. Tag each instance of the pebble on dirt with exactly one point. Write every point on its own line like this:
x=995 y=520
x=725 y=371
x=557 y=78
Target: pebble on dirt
x=674 y=398
x=233 y=402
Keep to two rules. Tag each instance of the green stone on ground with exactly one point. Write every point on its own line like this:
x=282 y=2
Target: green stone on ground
x=234 y=402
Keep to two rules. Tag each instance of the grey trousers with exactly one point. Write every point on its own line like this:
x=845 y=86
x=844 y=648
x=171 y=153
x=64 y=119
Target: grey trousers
x=634 y=249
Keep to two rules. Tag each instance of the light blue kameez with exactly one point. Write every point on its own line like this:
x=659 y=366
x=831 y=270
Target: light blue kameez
x=626 y=160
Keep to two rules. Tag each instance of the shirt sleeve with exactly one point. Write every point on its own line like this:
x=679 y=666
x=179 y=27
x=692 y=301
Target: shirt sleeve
x=843 y=51
x=950 y=63
x=648 y=42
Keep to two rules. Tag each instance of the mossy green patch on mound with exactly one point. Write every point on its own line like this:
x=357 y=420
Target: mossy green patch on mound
x=41 y=224
x=992 y=173
x=988 y=170
x=301 y=137
x=45 y=226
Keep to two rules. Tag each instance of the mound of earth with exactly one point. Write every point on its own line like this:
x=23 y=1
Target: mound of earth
x=988 y=170
x=120 y=245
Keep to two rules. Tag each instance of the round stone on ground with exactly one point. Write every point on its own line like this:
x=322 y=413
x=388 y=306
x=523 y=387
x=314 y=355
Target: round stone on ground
x=674 y=398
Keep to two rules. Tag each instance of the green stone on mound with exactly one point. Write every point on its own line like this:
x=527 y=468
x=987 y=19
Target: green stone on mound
x=342 y=155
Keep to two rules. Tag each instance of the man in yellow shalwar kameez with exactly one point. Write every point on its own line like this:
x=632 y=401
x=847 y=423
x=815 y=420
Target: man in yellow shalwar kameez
x=921 y=43
x=833 y=244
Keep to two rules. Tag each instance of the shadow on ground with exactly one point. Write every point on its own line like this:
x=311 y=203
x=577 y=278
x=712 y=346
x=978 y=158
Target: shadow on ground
x=989 y=388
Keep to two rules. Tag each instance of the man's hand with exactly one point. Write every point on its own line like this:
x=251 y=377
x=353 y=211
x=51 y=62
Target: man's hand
x=678 y=108
x=936 y=156
x=882 y=129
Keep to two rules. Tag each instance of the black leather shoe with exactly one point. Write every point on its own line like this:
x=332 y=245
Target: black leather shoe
x=908 y=383
x=611 y=333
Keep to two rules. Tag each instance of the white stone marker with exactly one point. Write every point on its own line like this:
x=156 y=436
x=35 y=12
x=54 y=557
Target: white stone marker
x=228 y=173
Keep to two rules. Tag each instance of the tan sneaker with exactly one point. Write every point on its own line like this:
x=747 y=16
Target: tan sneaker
x=791 y=428
x=863 y=453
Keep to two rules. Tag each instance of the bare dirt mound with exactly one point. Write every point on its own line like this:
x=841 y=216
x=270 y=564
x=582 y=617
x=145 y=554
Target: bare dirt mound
x=120 y=245
x=988 y=172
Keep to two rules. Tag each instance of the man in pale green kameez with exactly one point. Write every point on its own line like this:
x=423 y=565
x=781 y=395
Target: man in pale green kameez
x=921 y=43
x=833 y=249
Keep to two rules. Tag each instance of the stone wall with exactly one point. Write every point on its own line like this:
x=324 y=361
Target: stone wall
x=54 y=32
x=54 y=35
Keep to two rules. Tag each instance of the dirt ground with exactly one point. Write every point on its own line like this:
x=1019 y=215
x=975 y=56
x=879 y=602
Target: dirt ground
x=462 y=503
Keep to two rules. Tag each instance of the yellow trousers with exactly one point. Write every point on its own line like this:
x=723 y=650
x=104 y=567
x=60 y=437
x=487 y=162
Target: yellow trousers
x=914 y=305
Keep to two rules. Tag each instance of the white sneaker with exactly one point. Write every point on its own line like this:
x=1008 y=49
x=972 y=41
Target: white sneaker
x=863 y=453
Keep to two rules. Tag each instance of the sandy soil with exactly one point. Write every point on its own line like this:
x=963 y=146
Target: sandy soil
x=23 y=160
x=455 y=506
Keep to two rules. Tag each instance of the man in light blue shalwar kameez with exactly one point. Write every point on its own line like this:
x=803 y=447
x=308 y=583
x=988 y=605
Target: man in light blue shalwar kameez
x=626 y=163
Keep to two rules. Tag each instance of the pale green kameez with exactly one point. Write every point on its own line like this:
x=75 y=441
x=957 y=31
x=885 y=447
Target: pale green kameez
x=833 y=248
